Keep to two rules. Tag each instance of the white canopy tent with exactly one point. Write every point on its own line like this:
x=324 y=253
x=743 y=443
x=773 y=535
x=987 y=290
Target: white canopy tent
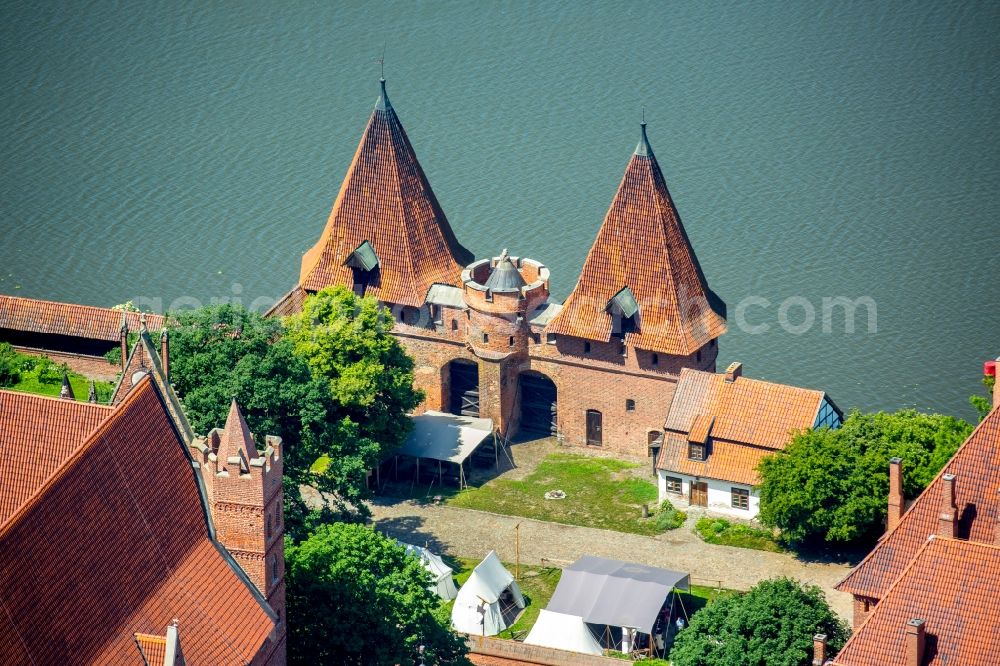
x=563 y=632
x=442 y=582
x=445 y=439
x=488 y=601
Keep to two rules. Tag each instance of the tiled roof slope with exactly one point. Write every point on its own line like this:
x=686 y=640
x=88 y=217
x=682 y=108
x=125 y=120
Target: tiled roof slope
x=727 y=462
x=385 y=199
x=82 y=321
x=976 y=466
x=954 y=586
x=116 y=543
x=289 y=304
x=749 y=411
x=152 y=648
x=642 y=245
x=38 y=434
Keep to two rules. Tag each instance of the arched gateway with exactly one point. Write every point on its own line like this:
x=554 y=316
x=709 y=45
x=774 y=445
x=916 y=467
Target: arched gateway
x=538 y=404
x=463 y=388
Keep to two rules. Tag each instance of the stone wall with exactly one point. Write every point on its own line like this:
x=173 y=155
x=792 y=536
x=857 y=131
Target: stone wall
x=536 y=654
x=91 y=367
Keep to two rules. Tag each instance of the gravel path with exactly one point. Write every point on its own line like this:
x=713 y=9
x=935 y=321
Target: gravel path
x=469 y=533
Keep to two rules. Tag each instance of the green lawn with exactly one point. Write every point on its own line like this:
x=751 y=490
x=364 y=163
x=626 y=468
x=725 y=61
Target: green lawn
x=725 y=533
x=35 y=375
x=600 y=492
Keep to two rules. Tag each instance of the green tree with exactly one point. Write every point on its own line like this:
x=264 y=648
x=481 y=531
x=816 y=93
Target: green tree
x=984 y=405
x=10 y=365
x=771 y=625
x=356 y=597
x=347 y=341
x=832 y=485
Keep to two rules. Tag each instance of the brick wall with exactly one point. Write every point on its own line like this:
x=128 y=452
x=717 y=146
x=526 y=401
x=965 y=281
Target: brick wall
x=91 y=367
x=863 y=607
x=536 y=654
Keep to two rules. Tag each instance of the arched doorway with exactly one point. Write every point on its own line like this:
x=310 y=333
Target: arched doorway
x=538 y=404
x=463 y=380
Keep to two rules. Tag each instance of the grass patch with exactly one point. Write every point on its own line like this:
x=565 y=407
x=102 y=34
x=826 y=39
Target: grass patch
x=725 y=533
x=537 y=586
x=39 y=375
x=600 y=492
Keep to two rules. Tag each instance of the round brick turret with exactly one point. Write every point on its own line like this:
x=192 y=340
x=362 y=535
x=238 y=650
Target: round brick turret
x=501 y=293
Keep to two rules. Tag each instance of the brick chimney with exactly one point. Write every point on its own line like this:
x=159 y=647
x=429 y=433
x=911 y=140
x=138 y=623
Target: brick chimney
x=165 y=354
x=896 y=502
x=734 y=370
x=123 y=335
x=819 y=649
x=915 y=639
x=946 y=519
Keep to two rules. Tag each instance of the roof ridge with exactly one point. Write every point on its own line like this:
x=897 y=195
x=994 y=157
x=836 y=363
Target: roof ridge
x=67 y=464
x=909 y=513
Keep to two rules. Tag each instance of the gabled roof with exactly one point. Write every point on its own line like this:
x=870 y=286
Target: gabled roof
x=642 y=245
x=954 y=587
x=385 y=200
x=37 y=435
x=82 y=321
x=747 y=411
x=976 y=467
x=289 y=304
x=116 y=542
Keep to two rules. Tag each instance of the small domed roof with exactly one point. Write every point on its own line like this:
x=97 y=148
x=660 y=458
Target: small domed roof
x=505 y=276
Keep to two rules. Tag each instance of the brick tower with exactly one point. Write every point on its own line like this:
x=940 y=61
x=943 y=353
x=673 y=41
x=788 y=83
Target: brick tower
x=500 y=293
x=243 y=488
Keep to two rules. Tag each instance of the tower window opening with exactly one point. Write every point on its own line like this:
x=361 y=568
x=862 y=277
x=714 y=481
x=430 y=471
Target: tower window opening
x=656 y=359
x=510 y=341
x=486 y=337
x=454 y=324
x=630 y=405
x=586 y=347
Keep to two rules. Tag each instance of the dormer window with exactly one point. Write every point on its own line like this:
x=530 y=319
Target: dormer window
x=364 y=265
x=624 y=311
x=698 y=437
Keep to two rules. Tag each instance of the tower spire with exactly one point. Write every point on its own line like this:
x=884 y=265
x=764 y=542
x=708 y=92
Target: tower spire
x=643 y=149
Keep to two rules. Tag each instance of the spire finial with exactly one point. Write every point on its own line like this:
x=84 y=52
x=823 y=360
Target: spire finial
x=643 y=149
x=383 y=101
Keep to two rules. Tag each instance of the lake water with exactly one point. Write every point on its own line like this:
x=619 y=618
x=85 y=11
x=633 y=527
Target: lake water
x=192 y=150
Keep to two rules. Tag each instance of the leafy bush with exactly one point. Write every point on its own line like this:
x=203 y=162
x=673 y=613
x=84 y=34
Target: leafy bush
x=10 y=365
x=47 y=371
x=771 y=625
x=668 y=517
x=832 y=485
x=725 y=533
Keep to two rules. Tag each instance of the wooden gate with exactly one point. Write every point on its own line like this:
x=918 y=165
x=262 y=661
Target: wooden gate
x=464 y=388
x=538 y=404
x=594 y=434
x=699 y=493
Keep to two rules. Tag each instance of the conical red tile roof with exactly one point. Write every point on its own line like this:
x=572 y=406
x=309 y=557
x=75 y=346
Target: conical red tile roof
x=642 y=245
x=385 y=199
x=236 y=439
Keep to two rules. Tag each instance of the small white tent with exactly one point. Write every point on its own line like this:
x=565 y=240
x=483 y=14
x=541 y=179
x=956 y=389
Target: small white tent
x=488 y=599
x=563 y=632
x=442 y=582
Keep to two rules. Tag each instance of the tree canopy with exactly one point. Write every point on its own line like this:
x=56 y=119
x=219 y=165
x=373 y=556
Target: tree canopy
x=771 y=625
x=833 y=485
x=335 y=386
x=356 y=597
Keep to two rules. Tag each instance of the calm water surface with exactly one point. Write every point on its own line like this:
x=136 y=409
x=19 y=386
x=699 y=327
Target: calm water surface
x=191 y=150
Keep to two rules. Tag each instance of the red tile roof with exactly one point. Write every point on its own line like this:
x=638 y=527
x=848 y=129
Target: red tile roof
x=954 y=586
x=82 y=321
x=727 y=461
x=116 y=543
x=642 y=245
x=385 y=199
x=289 y=304
x=976 y=467
x=37 y=435
x=748 y=411
x=152 y=648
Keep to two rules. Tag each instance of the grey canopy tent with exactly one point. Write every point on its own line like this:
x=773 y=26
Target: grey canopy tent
x=615 y=593
x=445 y=439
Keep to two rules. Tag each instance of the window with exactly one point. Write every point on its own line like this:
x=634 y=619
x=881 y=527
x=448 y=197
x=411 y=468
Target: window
x=489 y=295
x=510 y=341
x=269 y=527
x=486 y=337
x=630 y=405
x=454 y=324
x=436 y=314
x=586 y=347
x=550 y=338
x=696 y=451
x=673 y=485
x=656 y=359
x=274 y=568
x=537 y=338
x=741 y=499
